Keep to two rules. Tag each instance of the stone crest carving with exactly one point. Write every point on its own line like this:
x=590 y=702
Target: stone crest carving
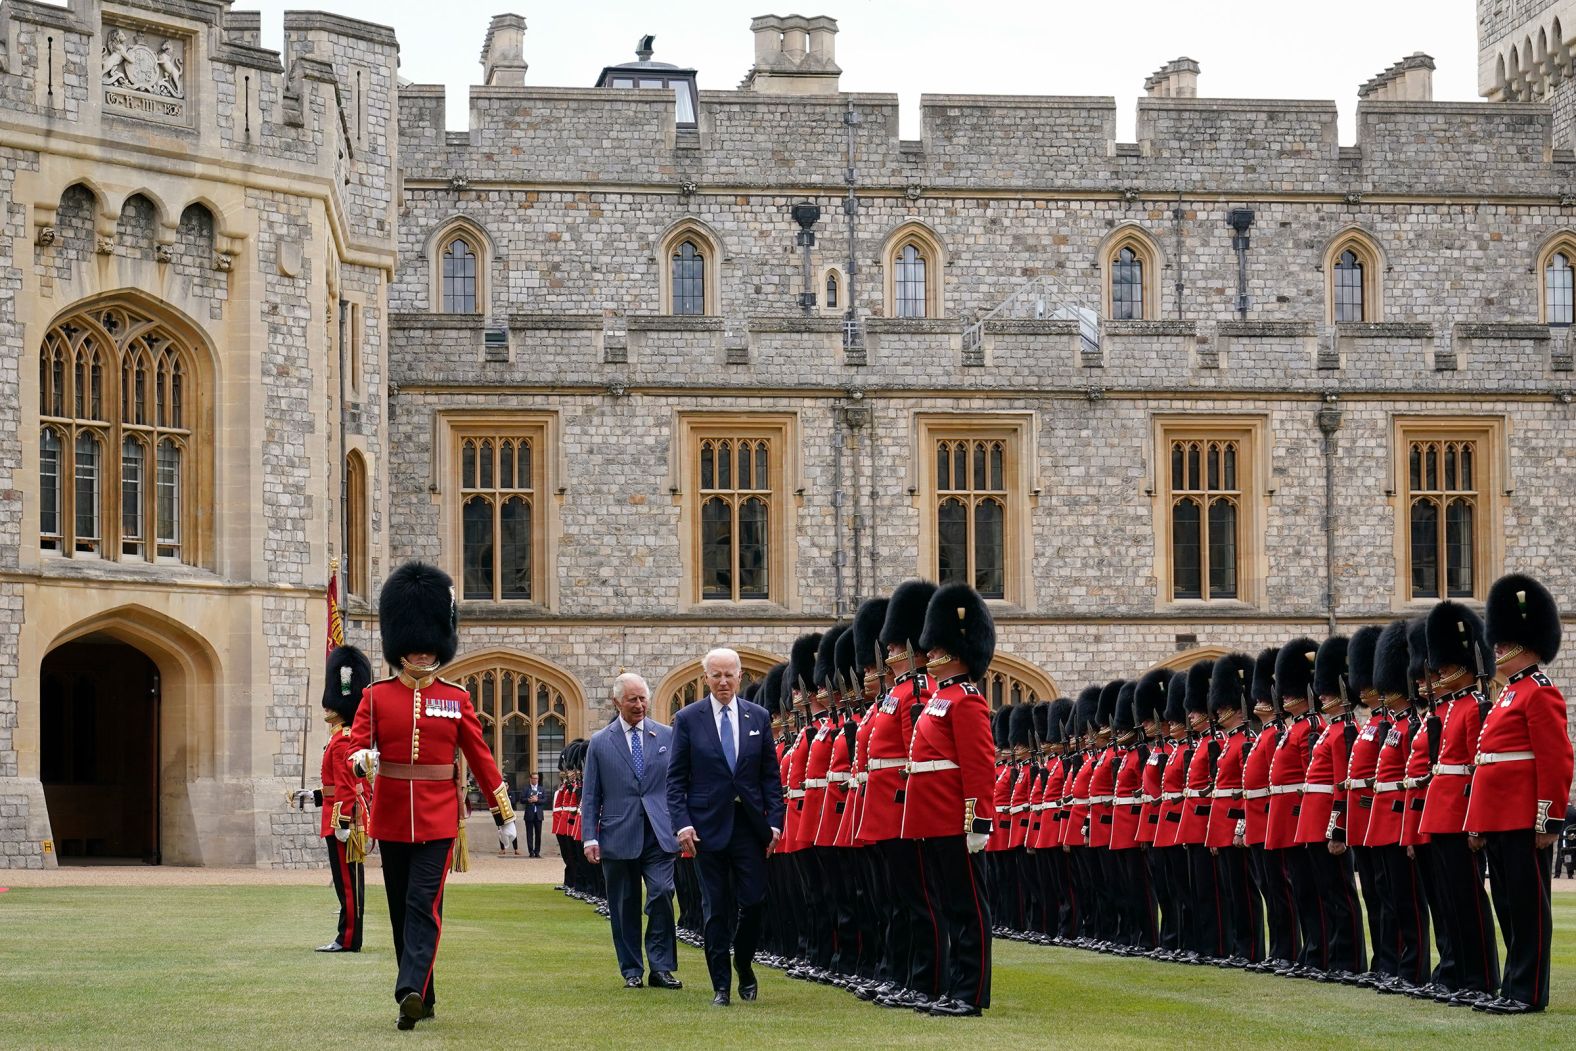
x=144 y=79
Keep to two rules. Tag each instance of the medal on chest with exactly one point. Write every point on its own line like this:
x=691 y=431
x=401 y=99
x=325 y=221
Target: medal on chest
x=441 y=708
x=889 y=705
x=1393 y=739
x=938 y=707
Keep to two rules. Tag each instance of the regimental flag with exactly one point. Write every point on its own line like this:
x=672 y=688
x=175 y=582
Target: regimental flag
x=336 y=620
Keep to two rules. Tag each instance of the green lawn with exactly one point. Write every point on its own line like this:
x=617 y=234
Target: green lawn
x=209 y=967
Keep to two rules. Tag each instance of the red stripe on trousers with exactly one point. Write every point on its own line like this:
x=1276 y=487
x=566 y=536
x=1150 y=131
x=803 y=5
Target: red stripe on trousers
x=437 y=918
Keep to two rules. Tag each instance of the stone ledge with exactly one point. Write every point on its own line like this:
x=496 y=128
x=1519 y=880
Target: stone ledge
x=539 y=322
x=914 y=326
x=1501 y=330
x=1151 y=328
x=1283 y=329
x=1035 y=327
x=1385 y=330
x=796 y=324
x=420 y=319
x=672 y=323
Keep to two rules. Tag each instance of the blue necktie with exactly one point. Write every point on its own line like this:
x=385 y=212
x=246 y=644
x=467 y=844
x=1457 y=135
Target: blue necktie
x=728 y=751
x=635 y=754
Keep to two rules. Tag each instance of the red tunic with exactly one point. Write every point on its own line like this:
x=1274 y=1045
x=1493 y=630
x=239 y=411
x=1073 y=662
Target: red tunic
x=1022 y=788
x=1445 y=806
x=1288 y=770
x=1196 y=796
x=345 y=796
x=953 y=729
x=839 y=776
x=1322 y=818
x=1173 y=779
x=1228 y=816
x=1509 y=793
x=798 y=760
x=1102 y=789
x=1001 y=795
x=1051 y=816
x=1256 y=785
x=1036 y=811
x=1389 y=799
x=1417 y=780
x=426 y=727
x=848 y=827
x=816 y=765
x=1128 y=804
x=1361 y=773
x=558 y=808
x=891 y=731
x=1149 y=810
x=572 y=818
x=1077 y=809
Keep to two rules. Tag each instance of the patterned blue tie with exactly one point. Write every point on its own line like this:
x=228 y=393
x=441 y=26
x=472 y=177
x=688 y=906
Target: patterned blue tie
x=728 y=751
x=635 y=754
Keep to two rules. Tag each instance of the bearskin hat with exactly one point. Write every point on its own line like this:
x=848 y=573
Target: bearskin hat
x=1360 y=658
x=770 y=695
x=1125 y=718
x=1231 y=683
x=417 y=613
x=1021 y=725
x=866 y=636
x=349 y=672
x=801 y=664
x=1042 y=721
x=1417 y=656
x=826 y=658
x=1176 y=698
x=1105 y=711
x=958 y=621
x=1329 y=669
x=1390 y=661
x=844 y=661
x=1001 y=729
x=1198 y=686
x=1149 y=696
x=1456 y=638
x=905 y=615
x=1521 y=611
x=1084 y=710
x=1264 y=676
x=748 y=693
x=1056 y=723
x=1294 y=670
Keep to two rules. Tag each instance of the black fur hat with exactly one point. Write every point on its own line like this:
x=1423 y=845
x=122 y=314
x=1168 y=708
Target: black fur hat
x=826 y=658
x=417 y=613
x=1084 y=710
x=1390 y=661
x=1521 y=610
x=349 y=672
x=1061 y=714
x=801 y=665
x=1294 y=670
x=1176 y=698
x=958 y=621
x=1021 y=725
x=905 y=615
x=1360 y=658
x=1149 y=696
x=844 y=665
x=1231 y=684
x=1001 y=729
x=1329 y=669
x=1264 y=676
x=866 y=635
x=1105 y=711
x=1417 y=657
x=1456 y=638
x=1198 y=686
x=1125 y=718
x=1042 y=721
x=770 y=695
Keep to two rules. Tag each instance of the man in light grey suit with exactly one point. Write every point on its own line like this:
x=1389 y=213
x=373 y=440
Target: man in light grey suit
x=624 y=815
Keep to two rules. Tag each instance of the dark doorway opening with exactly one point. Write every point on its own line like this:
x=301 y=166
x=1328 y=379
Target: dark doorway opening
x=99 y=751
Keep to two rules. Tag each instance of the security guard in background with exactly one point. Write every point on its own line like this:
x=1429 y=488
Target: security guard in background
x=412 y=725
x=1520 y=783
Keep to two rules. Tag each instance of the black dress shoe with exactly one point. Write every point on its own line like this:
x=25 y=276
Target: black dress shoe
x=1504 y=1005
x=331 y=947
x=632 y=981
x=748 y=986
x=411 y=1010
x=663 y=980
x=949 y=1008
x=722 y=999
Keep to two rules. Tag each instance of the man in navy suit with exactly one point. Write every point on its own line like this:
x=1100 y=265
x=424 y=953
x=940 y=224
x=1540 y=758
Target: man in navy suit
x=624 y=818
x=725 y=798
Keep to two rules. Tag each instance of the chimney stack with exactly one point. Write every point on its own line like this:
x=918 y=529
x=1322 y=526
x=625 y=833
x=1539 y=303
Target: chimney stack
x=503 y=53
x=1409 y=80
x=1177 y=79
x=794 y=55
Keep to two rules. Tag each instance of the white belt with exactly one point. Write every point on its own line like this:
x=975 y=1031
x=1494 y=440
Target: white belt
x=1284 y=790
x=1171 y=797
x=1100 y=800
x=884 y=764
x=1017 y=809
x=1389 y=786
x=1357 y=782
x=796 y=793
x=1039 y=806
x=930 y=766
x=1320 y=790
x=1452 y=768
x=1127 y=801
x=815 y=782
x=1191 y=793
x=1150 y=800
x=861 y=777
x=1255 y=793
x=1487 y=758
x=1080 y=802
x=839 y=777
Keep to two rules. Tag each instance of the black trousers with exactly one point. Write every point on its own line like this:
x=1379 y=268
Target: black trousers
x=350 y=886
x=533 y=837
x=1242 y=917
x=837 y=864
x=1447 y=972
x=1519 y=874
x=1069 y=909
x=1280 y=907
x=733 y=899
x=1177 y=888
x=654 y=869
x=1377 y=906
x=870 y=913
x=1404 y=915
x=413 y=877
x=965 y=916
x=1311 y=920
x=1467 y=913
x=566 y=851
x=1343 y=913
x=1136 y=898
x=1208 y=934
x=919 y=951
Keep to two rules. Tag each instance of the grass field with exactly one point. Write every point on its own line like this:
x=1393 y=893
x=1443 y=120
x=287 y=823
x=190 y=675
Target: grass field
x=209 y=967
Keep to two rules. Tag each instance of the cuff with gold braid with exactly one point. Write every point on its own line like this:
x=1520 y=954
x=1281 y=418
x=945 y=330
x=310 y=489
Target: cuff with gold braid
x=972 y=824
x=502 y=811
x=1546 y=822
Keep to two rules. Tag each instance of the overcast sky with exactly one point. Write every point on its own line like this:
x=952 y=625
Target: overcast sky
x=1248 y=48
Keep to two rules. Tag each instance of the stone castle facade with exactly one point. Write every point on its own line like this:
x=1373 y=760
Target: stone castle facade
x=1227 y=383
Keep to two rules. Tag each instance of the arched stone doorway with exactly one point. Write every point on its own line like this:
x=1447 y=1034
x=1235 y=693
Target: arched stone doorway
x=99 y=750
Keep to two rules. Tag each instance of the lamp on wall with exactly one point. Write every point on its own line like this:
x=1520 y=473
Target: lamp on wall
x=806 y=214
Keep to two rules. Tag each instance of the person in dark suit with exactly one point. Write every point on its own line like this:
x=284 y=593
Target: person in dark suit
x=533 y=798
x=725 y=799
x=624 y=816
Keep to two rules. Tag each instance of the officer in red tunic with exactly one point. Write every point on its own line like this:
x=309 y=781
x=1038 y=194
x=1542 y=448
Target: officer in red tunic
x=822 y=884
x=344 y=796
x=1173 y=783
x=1064 y=891
x=800 y=686
x=1102 y=793
x=1075 y=839
x=1458 y=659
x=1520 y=785
x=845 y=884
x=1288 y=769
x=949 y=807
x=1149 y=702
x=1358 y=790
x=1137 y=931
x=1206 y=935
x=1014 y=885
x=413 y=725
x=1270 y=879
x=1445 y=981
x=1240 y=917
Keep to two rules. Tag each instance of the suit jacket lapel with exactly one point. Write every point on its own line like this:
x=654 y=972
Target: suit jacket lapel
x=621 y=745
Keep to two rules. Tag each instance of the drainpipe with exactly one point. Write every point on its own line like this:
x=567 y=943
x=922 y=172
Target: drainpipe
x=1329 y=424
x=1241 y=220
x=839 y=555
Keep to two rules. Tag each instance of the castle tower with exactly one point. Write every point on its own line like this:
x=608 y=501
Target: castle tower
x=1525 y=55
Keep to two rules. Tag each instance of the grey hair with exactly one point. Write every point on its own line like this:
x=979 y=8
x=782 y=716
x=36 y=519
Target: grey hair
x=621 y=684
x=721 y=653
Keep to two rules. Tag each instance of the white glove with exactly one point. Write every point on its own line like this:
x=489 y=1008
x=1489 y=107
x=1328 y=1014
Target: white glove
x=364 y=761
x=342 y=834
x=300 y=798
x=507 y=832
x=976 y=841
